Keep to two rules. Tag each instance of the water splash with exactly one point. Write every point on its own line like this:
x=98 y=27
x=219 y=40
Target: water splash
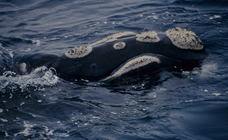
x=206 y=71
x=37 y=80
x=209 y=70
x=34 y=131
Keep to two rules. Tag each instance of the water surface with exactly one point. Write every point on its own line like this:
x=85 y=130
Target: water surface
x=170 y=105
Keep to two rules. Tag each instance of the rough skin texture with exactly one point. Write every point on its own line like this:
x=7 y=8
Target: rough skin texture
x=149 y=36
x=184 y=39
x=133 y=64
x=79 y=52
x=112 y=37
x=119 y=45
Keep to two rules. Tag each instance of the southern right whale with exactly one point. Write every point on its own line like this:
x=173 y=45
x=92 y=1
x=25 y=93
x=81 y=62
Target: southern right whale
x=119 y=54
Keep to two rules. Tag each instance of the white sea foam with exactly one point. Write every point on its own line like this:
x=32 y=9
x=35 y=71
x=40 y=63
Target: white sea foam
x=208 y=70
x=215 y=17
x=29 y=129
x=37 y=42
x=216 y=94
x=36 y=80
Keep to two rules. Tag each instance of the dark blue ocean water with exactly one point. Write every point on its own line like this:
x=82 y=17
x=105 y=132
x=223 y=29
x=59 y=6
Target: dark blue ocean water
x=186 y=105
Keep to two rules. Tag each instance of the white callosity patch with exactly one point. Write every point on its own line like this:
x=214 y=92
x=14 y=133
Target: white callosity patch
x=149 y=36
x=133 y=64
x=119 y=45
x=184 y=39
x=79 y=52
x=113 y=37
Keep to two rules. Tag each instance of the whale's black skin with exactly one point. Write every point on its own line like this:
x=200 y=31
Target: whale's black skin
x=33 y=61
x=104 y=59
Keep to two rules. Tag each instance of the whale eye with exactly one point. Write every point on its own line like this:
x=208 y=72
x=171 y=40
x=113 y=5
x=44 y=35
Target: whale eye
x=119 y=45
x=149 y=36
x=184 y=39
x=78 y=52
